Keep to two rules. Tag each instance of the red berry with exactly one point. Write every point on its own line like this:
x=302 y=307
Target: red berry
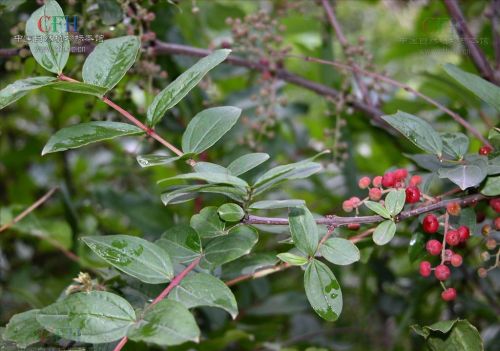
x=266 y=75
x=448 y=254
x=442 y=272
x=225 y=45
x=412 y=194
x=463 y=233
x=355 y=201
x=375 y=194
x=485 y=150
x=425 y=268
x=456 y=260
x=388 y=180
x=377 y=181
x=364 y=182
x=353 y=226
x=495 y=204
x=400 y=174
x=497 y=223
x=415 y=180
x=452 y=238
x=449 y=294
x=347 y=206
x=430 y=224
x=453 y=208
x=433 y=247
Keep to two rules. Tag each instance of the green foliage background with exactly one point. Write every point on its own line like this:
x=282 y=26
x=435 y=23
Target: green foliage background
x=103 y=191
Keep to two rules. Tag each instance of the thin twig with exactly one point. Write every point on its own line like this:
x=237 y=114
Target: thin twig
x=330 y=13
x=176 y=281
x=342 y=221
x=30 y=209
x=134 y=120
x=259 y=274
x=476 y=54
x=51 y=241
x=459 y=119
x=320 y=89
x=337 y=221
x=162 y=48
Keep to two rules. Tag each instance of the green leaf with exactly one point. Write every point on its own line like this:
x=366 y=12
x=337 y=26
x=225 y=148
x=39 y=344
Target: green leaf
x=94 y=317
x=202 y=289
x=231 y=212
x=483 y=89
x=292 y=259
x=395 y=201
x=167 y=323
x=248 y=265
x=418 y=131
x=429 y=162
x=469 y=174
x=213 y=178
x=207 y=223
x=224 y=249
x=340 y=251
x=384 y=232
x=455 y=144
x=416 y=248
x=13 y=92
x=159 y=160
x=280 y=174
x=155 y=160
x=183 y=193
x=52 y=54
x=491 y=187
x=110 y=12
x=79 y=88
x=323 y=290
x=378 y=209
x=110 y=61
x=450 y=336
x=23 y=329
x=134 y=256
x=172 y=94
x=86 y=133
x=303 y=229
x=208 y=167
x=494 y=166
x=247 y=162
x=494 y=137
x=208 y=126
x=272 y=204
x=181 y=242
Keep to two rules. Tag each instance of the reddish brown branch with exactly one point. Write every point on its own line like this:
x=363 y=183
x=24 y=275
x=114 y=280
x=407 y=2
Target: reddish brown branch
x=459 y=119
x=132 y=119
x=341 y=221
x=179 y=49
x=338 y=221
x=176 y=281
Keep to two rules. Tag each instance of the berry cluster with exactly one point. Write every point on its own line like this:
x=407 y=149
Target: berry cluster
x=453 y=238
x=395 y=179
x=259 y=37
x=490 y=242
